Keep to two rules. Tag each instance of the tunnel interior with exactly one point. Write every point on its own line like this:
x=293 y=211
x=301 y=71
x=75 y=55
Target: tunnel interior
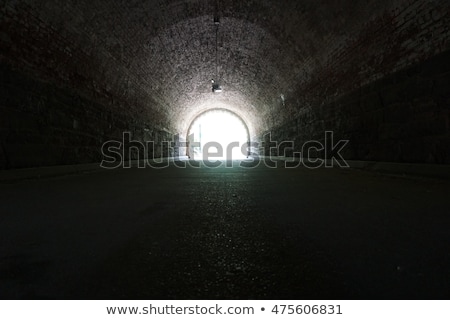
x=78 y=73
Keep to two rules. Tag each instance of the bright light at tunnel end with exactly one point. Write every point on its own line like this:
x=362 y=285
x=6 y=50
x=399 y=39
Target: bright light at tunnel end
x=218 y=132
x=272 y=154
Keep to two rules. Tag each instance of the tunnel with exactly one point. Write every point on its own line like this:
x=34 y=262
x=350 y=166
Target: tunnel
x=222 y=130
x=340 y=193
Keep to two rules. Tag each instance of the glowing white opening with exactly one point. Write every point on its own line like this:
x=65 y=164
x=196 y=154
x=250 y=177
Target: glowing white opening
x=219 y=134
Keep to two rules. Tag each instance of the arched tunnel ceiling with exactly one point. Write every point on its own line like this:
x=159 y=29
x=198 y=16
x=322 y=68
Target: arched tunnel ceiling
x=167 y=48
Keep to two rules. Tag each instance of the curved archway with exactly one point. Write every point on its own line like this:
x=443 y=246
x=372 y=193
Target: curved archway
x=220 y=133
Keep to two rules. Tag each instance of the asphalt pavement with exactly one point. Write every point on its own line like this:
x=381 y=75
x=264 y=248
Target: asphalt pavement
x=225 y=233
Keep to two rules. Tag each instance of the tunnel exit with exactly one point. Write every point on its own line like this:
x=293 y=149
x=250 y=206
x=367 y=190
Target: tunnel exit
x=218 y=134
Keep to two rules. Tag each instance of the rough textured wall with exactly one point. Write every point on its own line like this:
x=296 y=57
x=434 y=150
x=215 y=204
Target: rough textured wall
x=385 y=90
x=63 y=95
x=403 y=117
x=44 y=125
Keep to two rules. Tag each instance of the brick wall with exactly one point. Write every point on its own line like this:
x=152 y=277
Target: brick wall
x=385 y=90
x=63 y=95
x=403 y=117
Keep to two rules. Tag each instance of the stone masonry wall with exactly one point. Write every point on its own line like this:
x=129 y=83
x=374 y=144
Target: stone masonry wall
x=43 y=125
x=385 y=90
x=404 y=117
x=63 y=95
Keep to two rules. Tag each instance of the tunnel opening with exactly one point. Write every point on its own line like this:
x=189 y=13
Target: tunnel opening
x=218 y=134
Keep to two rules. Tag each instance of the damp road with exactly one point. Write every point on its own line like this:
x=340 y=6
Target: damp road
x=225 y=233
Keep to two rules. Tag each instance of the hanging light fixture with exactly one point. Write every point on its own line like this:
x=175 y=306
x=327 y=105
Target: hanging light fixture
x=216 y=87
x=215 y=83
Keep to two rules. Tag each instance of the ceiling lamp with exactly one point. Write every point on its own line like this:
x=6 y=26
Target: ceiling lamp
x=216 y=88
